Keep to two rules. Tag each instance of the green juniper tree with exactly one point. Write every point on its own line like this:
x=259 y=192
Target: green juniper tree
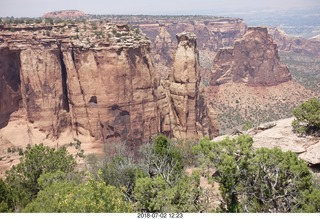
x=307 y=119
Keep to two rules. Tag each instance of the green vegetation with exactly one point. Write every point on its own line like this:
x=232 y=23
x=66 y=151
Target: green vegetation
x=6 y=199
x=155 y=179
x=307 y=117
x=37 y=160
x=15 y=149
x=118 y=35
x=94 y=25
x=266 y=180
x=98 y=33
x=247 y=125
x=49 y=21
x=252 y=108
x=65 y=195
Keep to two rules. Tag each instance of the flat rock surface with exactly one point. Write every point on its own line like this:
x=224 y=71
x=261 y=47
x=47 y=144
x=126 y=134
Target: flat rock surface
x=312 y=155
x=282 y=136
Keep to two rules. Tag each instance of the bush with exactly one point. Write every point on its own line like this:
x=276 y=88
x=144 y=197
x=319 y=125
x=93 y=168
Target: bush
x=6 y=199
x=247 y=125
x=307 y=117
x=20 y=150
x=86 y=197
x=150 y=194
x=266 y=180
x=49 y=21
x=122 y=173
x=166 y=160
x=39 y=159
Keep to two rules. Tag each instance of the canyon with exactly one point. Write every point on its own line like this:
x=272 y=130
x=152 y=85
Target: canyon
x=98 y=90
x=57 y=88
x=127 y=80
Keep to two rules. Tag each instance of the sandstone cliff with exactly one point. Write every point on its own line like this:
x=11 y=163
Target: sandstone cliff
x=253 y=60
x=212 y=34
x=10 y=95
x=105 y=87
x=189 y=110
x=250 y=85
x=295 y=44
x=106 y=91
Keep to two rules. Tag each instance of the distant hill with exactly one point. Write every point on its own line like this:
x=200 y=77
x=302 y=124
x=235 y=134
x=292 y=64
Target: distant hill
x=65 y=14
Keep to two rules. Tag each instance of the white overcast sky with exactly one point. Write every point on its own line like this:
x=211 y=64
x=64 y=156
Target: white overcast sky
x=36 y=8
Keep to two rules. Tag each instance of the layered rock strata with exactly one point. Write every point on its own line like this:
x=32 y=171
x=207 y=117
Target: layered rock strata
x=189 y=110
x=295 y=44
x=10 y=95
x=212 y=34
x=253 y=60
x=108 y=90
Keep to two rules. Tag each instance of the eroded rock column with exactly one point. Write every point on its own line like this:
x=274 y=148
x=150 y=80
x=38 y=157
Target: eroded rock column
x=188 y=108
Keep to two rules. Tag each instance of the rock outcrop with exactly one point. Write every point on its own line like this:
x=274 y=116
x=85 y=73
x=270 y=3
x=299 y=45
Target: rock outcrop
x=188 y=105
x=212 y=34
x=253 y=60
x=296 y=44
x=10 y=95
x=104 y=88
x=281 y=135
x=164 y=46
x=111 y=93
x=107 y=91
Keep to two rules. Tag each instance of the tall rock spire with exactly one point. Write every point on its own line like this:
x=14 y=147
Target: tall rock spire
x=188 y=106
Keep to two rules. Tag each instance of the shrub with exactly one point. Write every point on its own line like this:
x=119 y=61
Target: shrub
x=20 y=150
x=88 y=196
x=265 y=180
x=307 y=117
x=39 y=159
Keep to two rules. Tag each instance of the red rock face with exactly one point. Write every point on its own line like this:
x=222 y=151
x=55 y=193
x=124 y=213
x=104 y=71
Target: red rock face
x=296 y=44
x=109 y=91
x=189 y=110
x=10 y=94
x=42 y=89
x=253 y=60
x=211 y=36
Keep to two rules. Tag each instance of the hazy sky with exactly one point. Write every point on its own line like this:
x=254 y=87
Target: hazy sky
x=36 y=8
